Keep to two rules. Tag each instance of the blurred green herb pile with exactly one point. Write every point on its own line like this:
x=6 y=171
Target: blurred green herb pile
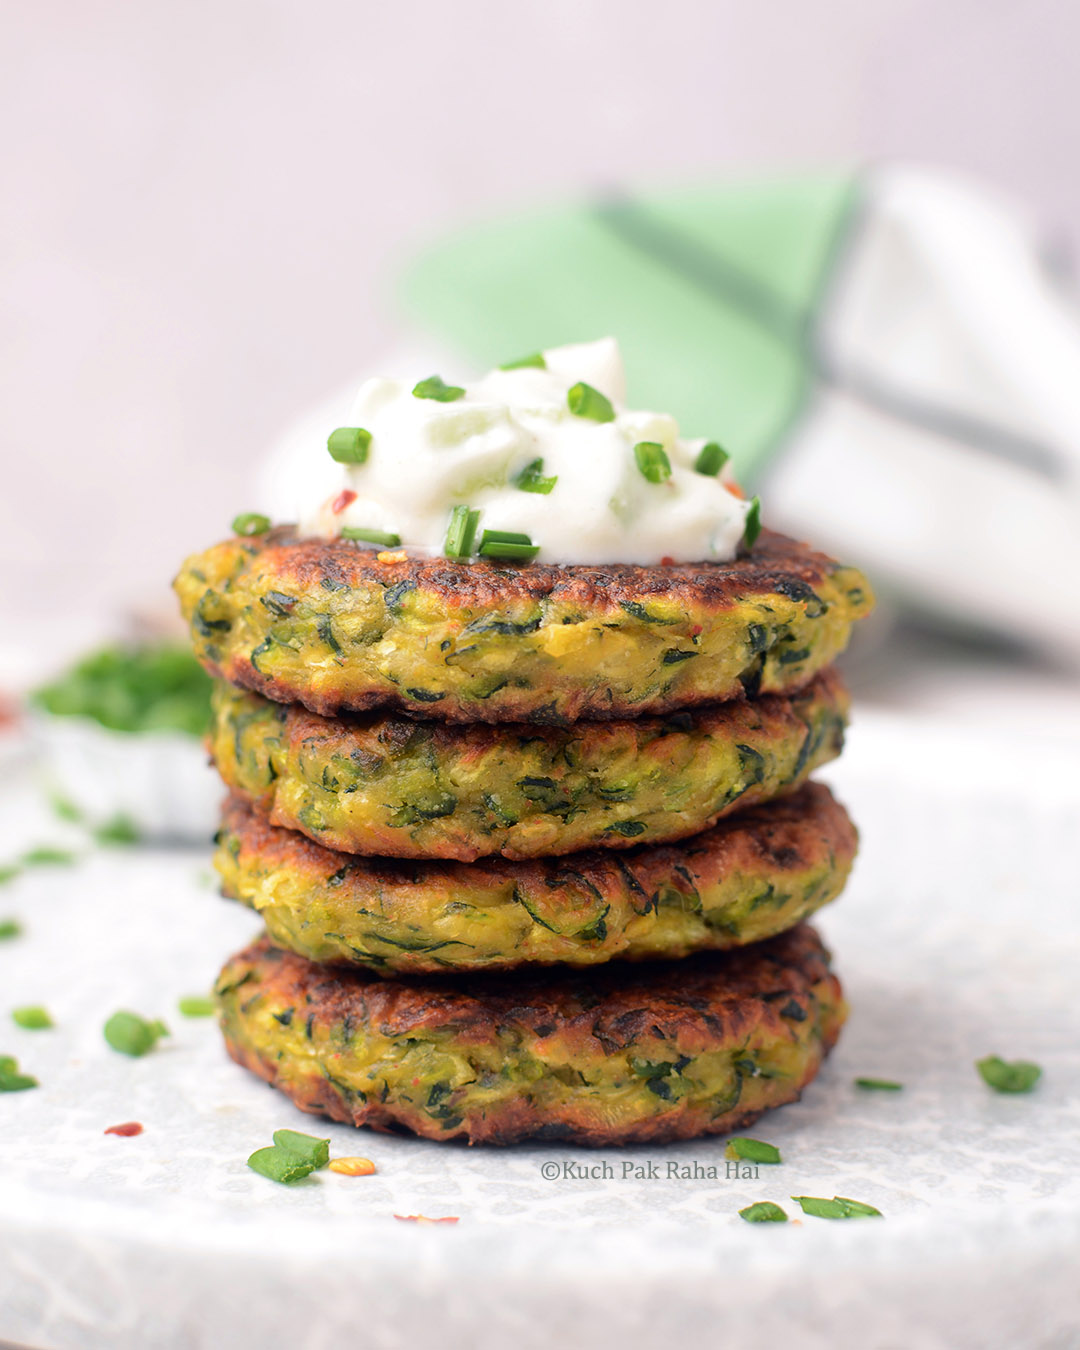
x=152 y=687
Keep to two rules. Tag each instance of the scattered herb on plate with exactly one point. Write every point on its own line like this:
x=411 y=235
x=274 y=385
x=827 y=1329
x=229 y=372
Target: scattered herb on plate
x=119 y=830
x=763 y=1211
x=839 y=1207
x=45 y=855
x=11 y=1080
x=291 y=1157
x=752 y=1150
x=133 y=1035
x=1005 y=1075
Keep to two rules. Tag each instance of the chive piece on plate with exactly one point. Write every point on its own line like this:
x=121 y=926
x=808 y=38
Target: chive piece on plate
x=32 y=1018
x=652 y=460
x=763 y=1211
x=65 y=809
x=879 y=1084
x=8 y=872
x=249 y=523
x=10 y=928
x=383 y=537
x=585 y=401
x=349 y=445
x=752 y=1150
x=836 y=1208
x=47 y=856
x=280 y=1165
x=535 y=360
x=507 y=544
x=11 y=1080
x=1003 y=1075
x=461 y=532
x=306 y=1146
x=435 y=387
x=118 y=830
x=531 y=479
x=197 y=1005
x=133 y=1035
x=711 y=459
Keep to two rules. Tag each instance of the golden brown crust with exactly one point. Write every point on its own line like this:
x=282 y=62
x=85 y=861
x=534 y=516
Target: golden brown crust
x=746 y=879
x=326 y=624
x=393 y=786
x=777 y=564
x=775 y=1002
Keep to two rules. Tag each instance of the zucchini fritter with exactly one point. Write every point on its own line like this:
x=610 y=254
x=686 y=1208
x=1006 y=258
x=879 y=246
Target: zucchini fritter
x=401 y=788
x=746 y=879
x=624 y=1054
x=325 y=623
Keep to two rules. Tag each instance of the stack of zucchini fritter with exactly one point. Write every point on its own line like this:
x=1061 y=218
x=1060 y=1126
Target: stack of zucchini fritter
x=459 y=790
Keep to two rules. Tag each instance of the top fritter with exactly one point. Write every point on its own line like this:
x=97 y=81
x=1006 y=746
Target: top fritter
x=331 y=625
x=524 y=548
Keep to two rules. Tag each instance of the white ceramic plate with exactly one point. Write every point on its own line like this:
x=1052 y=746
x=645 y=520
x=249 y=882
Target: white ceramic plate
x=959 y=936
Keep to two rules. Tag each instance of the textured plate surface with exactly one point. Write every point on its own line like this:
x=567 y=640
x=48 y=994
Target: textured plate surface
x=959 y=936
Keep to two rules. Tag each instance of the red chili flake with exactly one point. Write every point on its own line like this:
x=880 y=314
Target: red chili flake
x=344 y=498
x=667 y=562
x=695 y=630
x=126 y=1130
x=423 y=1218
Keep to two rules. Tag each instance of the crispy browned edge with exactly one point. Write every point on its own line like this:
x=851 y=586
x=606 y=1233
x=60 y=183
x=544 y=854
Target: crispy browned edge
x=775 y=565
x=787 y=834
x=711 y=1000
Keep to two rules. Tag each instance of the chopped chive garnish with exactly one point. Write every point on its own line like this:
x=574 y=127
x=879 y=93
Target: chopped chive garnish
x=8 y=872
x=197 y=1005
x=436 y=387
x=836 y=1208
x=879 y=1084
x=856 y=1209
x=1016 y=1075
x=349 y=445
x=46 y=856
x=32 y=1019
x=306 y=1146
x=585 y=401
x=711 y=459
x=461 y=532
x=133 y=1035
x=64 y=809
x=249 y=523
x=292 y=1157
x=507 y=544
x=652 y=460
x=752 y=528
x=279 y=1165
x=536 y=360
x=752 y=1150
x=10 y=928
x=118 y=830
x=531 y=479
x=383 y=537
x=763 y=1211
x=11 y=1080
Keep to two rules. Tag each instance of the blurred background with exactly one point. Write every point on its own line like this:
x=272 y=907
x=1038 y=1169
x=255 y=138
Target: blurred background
x=216 y=214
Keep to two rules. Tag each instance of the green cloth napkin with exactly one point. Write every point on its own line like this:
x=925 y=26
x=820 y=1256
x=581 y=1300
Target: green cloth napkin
x=710 y=293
